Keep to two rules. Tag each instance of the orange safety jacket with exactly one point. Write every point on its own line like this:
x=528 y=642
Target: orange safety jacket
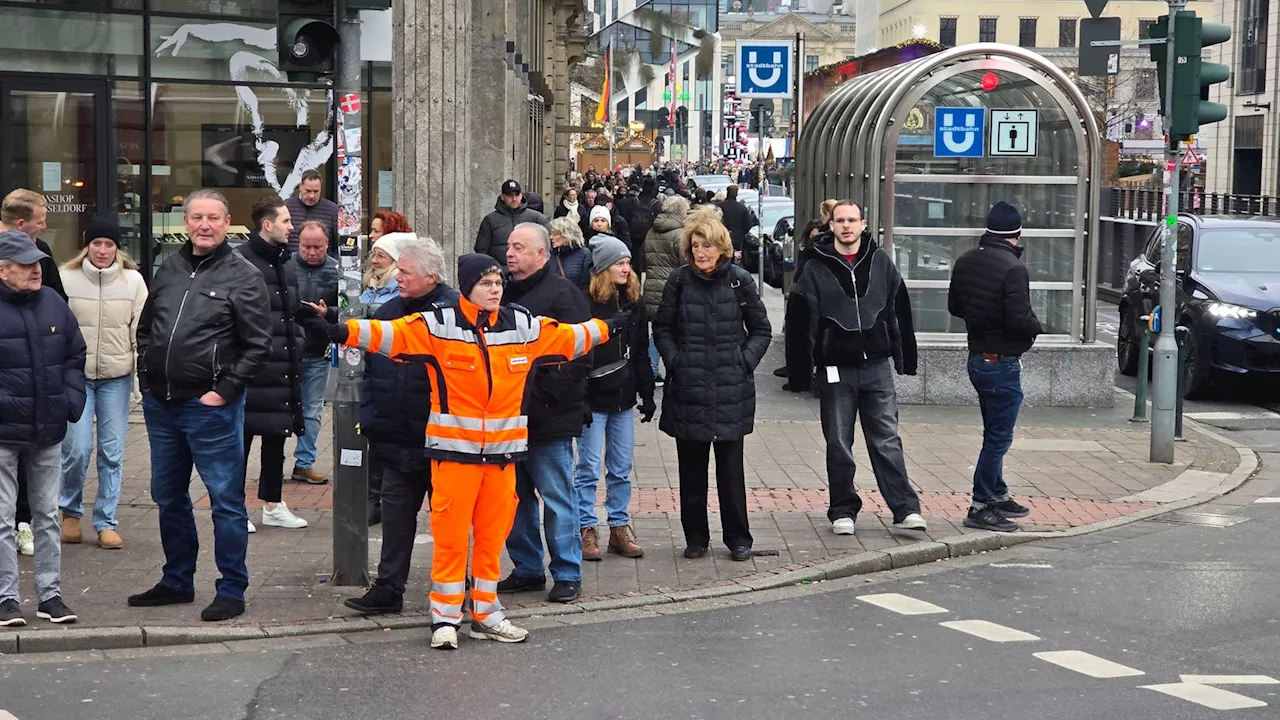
x=479 y=365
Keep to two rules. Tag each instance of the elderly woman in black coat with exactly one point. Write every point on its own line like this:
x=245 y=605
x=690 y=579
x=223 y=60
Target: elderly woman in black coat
x=711 y=330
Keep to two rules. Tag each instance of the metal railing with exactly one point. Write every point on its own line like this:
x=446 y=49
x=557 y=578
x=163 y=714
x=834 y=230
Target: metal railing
x=1147 y=205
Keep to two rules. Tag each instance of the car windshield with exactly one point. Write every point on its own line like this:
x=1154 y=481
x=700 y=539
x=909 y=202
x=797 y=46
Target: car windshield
x=773 y=213
x=1240 y=249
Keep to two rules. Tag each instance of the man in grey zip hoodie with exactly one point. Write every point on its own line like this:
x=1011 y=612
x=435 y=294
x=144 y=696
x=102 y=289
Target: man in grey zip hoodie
x=851 y=321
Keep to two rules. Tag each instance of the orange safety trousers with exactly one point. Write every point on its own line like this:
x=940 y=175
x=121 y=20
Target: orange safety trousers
x=466 y=496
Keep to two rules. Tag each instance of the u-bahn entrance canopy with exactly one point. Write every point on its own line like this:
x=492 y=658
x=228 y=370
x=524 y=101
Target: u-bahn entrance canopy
x=930 y=145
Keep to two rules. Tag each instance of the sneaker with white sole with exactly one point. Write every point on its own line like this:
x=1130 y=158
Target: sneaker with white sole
x=445 y=638
x=25 y=539
x=252 y=529
x=911 y=522
x=11 y=614
x=282 y=517
x=843 y=526
x=503 y=632
x=55 y=611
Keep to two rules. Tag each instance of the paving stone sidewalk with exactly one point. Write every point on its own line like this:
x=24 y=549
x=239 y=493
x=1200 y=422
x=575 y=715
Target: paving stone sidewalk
x=1071 y=466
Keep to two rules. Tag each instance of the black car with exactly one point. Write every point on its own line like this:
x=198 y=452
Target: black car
x=1228 y=295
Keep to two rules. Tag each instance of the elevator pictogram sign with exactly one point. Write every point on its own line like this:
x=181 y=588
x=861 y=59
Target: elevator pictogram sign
x=1013 y=132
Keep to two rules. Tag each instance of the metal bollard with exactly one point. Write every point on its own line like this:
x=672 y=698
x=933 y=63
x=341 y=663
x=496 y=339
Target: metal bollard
x=1144 y=363
x=1180 y=333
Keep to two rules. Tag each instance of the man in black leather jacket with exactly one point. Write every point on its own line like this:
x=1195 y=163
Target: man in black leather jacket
x=203 y=334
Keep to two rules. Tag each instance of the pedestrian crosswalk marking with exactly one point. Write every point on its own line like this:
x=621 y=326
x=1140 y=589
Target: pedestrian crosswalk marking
x=989 y=631
x=1086 y=664
x=1211 y=697
x=1230 y=679
x=1267 y=501
x=901 y=604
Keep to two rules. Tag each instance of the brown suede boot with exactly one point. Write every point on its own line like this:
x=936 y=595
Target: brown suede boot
x=590 y=544
x=71 y=529
x=622 y=541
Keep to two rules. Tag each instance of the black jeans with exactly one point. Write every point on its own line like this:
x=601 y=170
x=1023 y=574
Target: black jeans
x=375 y=484
x=867 y=388
x=731 y=487
x=402 y=494
x=271 y=467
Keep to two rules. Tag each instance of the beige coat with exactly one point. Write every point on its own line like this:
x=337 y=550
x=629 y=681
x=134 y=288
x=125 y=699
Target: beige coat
x=107 y=303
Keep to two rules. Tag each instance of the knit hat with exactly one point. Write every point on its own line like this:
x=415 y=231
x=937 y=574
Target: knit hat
x=471 y=268
x=605 y=251
x=103 y=226
x=1004 y=219
x=393 y=243
x=602 y=212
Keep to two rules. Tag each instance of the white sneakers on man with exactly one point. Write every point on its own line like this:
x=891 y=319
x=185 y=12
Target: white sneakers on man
x=911 y=522
x=281 y=517
x=25 y=539
x=502 y=632
x=843 y=526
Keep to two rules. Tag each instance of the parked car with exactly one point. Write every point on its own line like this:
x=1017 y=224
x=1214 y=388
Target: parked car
x=1228 y=295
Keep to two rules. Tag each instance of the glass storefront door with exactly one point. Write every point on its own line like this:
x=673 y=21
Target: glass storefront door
x=53 y=136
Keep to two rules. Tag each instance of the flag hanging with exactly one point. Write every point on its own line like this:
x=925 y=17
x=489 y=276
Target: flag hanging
x=602 y=110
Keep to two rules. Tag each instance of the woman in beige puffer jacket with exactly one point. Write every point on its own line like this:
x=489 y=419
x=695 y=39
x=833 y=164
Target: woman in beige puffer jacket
x=106 y=294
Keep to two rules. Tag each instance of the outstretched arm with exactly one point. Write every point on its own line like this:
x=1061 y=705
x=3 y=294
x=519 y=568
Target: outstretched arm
x=570 y=340
x=394 y=338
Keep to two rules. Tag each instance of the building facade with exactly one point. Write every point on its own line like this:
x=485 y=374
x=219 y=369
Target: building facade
x=1246 y=146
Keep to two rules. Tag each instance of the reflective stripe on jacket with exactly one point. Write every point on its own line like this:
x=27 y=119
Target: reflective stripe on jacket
x=479 y=364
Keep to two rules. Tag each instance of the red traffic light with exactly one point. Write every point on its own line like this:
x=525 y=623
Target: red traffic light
x=990 y=81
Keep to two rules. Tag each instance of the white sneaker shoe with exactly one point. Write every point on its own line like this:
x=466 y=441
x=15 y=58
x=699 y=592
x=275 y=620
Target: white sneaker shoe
x=842 y=526
x=445 y=638
x=252 y=529
x=281 y=517
x=25 y=539
x=503 y=632
x=912 y=522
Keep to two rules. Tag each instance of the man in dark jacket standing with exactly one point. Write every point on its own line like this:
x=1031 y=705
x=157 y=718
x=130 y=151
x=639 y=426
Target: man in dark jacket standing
x=395 y=400
x=555 y=419
x=990 y=291
x=318 y=277
x=307 y=205
x=194 y=361
x=849 y=317
x=273 y=402
x=510 y=210
x=738 y=218
x=41 y=390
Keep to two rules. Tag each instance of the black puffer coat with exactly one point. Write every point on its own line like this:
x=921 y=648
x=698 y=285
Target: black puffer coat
x=620 y=370
x=712 y=331
x=573 y=263
x=273 y=403
x=41 y=368
x=662 y=257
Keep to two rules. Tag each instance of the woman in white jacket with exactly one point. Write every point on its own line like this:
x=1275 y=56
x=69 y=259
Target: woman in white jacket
x=106 y=293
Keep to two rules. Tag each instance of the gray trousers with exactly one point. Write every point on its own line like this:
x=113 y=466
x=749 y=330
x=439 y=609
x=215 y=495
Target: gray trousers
x=867 y=389
x=44 y=486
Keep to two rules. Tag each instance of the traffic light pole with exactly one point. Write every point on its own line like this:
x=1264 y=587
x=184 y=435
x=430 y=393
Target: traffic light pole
x=1165 y=375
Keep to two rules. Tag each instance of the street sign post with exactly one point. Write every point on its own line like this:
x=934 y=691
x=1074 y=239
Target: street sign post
x=764 y=69
x=1098 y=60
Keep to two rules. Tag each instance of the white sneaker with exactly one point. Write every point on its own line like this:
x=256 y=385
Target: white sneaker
x=912 y=522
x=281 y=517
x=25 y=540
x=503 y=632
x=445 y=638
x=842 y=526
x=252 y=529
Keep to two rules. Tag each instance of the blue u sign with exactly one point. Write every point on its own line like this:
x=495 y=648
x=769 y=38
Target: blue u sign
x=959 y=132
x=764 y=69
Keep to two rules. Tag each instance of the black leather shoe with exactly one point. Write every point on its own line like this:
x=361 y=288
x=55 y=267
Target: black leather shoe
x=222 y=608
x=693 y=552
x=563 y=591
x=161 y=595
x=780 y=372
x=514 y=583
x=379 y=599
x=740 y=553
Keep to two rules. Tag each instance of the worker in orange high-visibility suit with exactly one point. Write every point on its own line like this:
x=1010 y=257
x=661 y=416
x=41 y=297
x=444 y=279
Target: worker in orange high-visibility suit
x=479 y=355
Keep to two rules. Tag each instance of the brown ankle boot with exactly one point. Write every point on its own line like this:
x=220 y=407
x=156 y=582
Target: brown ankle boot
x=622 y=541
x=590 y=544
x=71 y=533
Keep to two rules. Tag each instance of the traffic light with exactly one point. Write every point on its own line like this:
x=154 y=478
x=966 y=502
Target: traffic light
x=1192 y=76
x=1159 y=30
x=660 y=145
x=307 y=41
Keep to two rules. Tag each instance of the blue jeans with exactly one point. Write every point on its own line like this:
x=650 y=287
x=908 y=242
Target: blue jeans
x=548 y=469
x=654 y=357
x=999 y=386
x=314 y=373
x=108 y=401
x=617 y=432
x=212 y=439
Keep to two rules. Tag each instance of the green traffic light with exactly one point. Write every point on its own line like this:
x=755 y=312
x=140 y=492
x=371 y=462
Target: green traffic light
x=1192 y=76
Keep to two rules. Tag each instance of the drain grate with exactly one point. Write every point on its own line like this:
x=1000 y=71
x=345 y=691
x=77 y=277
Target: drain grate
x=1205 y=519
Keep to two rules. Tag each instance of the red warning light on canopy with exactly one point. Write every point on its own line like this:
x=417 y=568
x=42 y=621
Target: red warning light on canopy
x=990 y=81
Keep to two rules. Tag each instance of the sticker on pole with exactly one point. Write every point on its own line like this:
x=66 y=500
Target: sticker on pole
x=958 y=132
x=1014 y=132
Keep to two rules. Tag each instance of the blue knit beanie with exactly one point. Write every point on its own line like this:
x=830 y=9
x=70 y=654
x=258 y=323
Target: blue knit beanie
x=1004 y=219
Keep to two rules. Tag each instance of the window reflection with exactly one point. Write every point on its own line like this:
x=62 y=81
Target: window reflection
x=929 y=309
x=931 y=257
x=965 y=205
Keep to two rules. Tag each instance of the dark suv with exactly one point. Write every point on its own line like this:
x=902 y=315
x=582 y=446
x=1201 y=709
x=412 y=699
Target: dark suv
x=1228 y=295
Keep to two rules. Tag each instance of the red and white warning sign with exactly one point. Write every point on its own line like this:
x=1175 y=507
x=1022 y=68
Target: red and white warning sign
x=1191 y=158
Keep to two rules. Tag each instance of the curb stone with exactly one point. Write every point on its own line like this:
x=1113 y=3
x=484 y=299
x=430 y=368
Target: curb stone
x=862 y=563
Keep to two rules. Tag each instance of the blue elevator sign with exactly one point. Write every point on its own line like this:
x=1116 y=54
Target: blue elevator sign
x=959 y=132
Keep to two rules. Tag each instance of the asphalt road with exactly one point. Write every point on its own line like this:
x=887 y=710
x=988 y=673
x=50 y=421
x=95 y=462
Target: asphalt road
x=1149 y=604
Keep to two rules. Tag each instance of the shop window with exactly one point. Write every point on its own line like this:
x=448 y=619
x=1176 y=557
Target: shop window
x=71 y=43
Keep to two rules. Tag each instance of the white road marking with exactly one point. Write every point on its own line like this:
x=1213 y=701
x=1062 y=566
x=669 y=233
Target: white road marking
x=1207 y=416
x=1208 y=696
x=902 y=604
x=1267 y=501
x=5 y=715
x=1032 y=566
x=1086 y=664
x=1230 y=679
x=989 y=631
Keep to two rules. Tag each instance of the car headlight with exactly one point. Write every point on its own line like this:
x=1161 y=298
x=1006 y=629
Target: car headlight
x=1234 y=312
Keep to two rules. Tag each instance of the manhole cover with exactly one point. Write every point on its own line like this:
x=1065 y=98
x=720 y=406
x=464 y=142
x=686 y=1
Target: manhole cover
x=1206 y=519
